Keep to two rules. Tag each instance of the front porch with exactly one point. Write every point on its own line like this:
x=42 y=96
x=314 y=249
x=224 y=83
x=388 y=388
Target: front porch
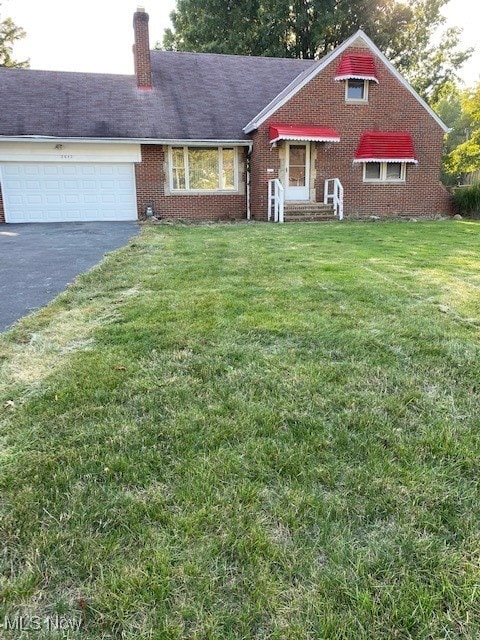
x=295 y=195
x=282 y=210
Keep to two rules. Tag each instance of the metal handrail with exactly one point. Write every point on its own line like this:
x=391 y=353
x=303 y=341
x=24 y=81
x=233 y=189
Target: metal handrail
x=276 y=200
x=336 y=196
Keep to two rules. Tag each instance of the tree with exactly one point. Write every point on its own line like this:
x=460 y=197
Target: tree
x=464 y=140
x=403 y=29
x=448 y=106
x=9 y=34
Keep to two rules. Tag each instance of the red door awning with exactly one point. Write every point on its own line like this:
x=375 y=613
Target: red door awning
x=303 y=133
x=379 y=146
x=356 y=67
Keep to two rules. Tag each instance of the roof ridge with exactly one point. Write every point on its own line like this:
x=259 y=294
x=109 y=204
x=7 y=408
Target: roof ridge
x=232 y=55
x=71 y=73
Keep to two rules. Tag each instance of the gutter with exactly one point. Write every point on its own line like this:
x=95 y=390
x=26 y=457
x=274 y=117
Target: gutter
x=248 y=174
x=165 y=141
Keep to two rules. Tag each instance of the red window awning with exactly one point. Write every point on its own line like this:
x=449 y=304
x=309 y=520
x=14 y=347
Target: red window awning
x=357 y=67
x=379 y=146
x=304 y=133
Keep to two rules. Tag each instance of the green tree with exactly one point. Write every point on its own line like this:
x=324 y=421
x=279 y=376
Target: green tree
x=9 y=34
x=448 y=105
x=464 y=141
x=403 y=29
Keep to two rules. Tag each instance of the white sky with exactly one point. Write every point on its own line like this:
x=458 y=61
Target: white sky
x=96 y=35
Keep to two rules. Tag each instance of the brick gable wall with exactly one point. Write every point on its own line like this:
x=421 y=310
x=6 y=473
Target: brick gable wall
x=391 y=107
x=151 y=177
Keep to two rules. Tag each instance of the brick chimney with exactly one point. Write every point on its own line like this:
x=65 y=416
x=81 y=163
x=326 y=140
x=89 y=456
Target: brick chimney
x=141 y=49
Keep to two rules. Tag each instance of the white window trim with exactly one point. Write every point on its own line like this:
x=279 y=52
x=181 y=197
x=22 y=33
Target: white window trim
x=187 y=190
x=366 y=84
x=383 y=173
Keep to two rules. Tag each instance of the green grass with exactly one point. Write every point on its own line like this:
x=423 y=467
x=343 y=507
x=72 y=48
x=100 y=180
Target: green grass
x=248 y=432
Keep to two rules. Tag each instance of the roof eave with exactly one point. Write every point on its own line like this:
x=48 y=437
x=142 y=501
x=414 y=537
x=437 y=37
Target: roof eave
x=165 y=141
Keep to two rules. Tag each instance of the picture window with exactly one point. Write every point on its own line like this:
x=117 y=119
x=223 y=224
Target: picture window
x=203 y=169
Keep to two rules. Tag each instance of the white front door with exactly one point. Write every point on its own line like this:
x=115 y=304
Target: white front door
x=297 y=179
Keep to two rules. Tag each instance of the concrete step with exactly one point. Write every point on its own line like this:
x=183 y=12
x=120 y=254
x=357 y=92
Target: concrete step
x=308 y=206
x=309 y=212
x=311 y=219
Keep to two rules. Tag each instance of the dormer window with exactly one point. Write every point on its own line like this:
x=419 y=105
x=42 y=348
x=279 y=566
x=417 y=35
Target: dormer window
x=356 y=90
x=357 y=70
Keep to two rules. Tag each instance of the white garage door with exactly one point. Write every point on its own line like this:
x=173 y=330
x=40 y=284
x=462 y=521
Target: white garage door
x=51 y=192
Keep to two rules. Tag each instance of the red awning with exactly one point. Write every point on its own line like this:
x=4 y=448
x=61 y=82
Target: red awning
x=379 y=146
x=356 y=67
x=307 y=133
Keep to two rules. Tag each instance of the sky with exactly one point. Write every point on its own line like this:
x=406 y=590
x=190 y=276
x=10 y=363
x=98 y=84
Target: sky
x=96 y=35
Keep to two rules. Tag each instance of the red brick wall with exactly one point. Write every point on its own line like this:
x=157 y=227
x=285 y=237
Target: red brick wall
x=391 y=107
x=2 y=211
x=151 y=178
x=141 y=50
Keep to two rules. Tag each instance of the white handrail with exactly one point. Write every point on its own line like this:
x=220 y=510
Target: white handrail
x=276 y=200
x=336 y=196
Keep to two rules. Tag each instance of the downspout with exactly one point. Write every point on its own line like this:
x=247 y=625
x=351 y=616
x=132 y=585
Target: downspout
x=248 y=171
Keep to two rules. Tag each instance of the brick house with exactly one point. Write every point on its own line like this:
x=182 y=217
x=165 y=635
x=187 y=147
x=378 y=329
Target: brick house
x=217 y=137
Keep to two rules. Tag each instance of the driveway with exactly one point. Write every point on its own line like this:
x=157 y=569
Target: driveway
x=38 y=261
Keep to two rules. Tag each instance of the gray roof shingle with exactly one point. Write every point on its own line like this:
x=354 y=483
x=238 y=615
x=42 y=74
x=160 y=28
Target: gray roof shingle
x=195 y=96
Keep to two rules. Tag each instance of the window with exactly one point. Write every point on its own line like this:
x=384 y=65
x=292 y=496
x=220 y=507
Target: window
x=178 y=168
x=373 y=171
x=393 y=171
x=356 y=90
x=384 y=172
x=202 y=169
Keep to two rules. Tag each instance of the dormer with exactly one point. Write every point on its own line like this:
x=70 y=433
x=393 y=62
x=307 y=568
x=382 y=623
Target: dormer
x=357 y=70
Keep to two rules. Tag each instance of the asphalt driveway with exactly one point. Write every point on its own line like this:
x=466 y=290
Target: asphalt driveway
x=38 y=261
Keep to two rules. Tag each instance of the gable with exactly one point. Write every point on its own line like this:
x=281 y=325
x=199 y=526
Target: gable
x=358 y=41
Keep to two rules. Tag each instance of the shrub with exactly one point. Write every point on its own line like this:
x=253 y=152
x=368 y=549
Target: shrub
x=467 y=199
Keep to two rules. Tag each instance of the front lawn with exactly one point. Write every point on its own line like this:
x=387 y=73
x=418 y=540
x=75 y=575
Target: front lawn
x=249 y=431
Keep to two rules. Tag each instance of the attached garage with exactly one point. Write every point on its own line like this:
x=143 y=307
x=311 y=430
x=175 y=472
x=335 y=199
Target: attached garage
x=86 y=185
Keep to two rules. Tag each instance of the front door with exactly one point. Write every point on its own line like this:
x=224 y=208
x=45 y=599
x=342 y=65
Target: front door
x=297 y=180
